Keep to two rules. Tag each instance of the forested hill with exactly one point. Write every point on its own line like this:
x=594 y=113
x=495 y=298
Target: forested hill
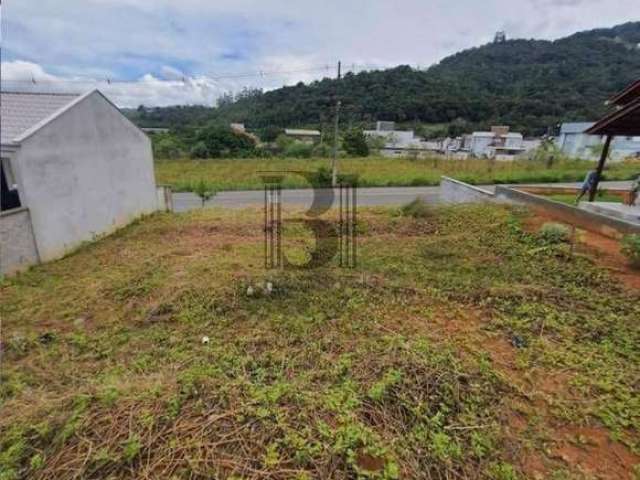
x=528 y=84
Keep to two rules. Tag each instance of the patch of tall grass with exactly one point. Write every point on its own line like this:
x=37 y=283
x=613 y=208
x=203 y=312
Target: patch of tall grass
x=246 y=173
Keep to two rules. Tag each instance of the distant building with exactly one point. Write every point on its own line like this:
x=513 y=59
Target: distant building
x=302 y=135
x=72 y=167
x=573 y=142
x=499 y=143
x=399 y=143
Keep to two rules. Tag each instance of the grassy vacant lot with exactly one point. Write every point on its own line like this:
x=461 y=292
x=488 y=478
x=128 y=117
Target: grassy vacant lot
x=243 y=174
x=470 y=349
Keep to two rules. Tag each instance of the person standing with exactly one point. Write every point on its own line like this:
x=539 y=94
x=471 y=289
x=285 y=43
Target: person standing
x=587 y=184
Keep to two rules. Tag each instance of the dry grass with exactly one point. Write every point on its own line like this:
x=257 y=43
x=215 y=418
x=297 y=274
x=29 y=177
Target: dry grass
x=405 y=367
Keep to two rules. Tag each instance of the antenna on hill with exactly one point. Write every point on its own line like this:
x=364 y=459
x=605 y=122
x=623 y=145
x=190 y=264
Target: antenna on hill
x=500 y=37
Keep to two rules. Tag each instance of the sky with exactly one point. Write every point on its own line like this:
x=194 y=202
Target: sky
x=161 y=52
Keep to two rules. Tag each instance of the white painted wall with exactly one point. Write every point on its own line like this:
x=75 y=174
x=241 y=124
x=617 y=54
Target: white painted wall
x=86 y=173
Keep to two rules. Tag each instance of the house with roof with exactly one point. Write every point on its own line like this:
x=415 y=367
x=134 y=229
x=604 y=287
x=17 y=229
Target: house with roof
x=72 y=168
x=399 y=143
x=574 y=142
x=499 y=143
x=303 y=135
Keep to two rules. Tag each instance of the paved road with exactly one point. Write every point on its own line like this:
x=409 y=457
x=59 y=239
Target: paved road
x=388 y=196
x=303 y=198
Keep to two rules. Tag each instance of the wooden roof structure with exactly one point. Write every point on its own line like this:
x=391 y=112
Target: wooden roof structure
x=624 y=120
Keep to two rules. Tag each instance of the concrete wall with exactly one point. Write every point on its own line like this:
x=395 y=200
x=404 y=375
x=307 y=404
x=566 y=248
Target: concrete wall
x=454 y=191
x=595 y=222
x=165 y=198
x=86 y=173
x=17 y=245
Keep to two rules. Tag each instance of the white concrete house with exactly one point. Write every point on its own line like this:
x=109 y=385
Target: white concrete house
x=499 y=143
x=73 y=168
x=399 y=143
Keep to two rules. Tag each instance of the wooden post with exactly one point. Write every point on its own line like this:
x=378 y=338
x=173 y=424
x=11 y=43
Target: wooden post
x=600 y=168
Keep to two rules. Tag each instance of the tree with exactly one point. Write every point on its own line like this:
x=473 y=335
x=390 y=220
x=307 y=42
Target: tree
x=270 y=133
x=354 y=143
x=202 y=190
x=199 y=150
x=221 y=141
x=166 y=146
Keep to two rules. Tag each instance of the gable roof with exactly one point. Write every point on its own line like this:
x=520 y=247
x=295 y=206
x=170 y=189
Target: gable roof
x=626 y=96
x=623 y=122
x=22 y=111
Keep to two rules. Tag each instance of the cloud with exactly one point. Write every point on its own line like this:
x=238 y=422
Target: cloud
x=213 y=45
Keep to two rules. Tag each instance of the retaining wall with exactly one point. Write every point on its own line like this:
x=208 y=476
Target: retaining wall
x=17 y=244
x=609 y=226
x=455 y=191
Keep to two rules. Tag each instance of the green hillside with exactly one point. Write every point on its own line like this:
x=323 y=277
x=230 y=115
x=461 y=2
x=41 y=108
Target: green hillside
x=529 y=84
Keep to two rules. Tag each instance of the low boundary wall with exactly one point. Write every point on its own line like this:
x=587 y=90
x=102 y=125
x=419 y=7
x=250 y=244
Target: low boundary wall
x=611 y=227
x=17 y=245
x=165 y=198
x=455 y=191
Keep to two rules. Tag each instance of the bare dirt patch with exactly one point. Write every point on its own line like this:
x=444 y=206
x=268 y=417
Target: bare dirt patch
x=604 y=250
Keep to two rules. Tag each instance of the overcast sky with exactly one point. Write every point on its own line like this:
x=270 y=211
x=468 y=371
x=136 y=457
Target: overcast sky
x=189 y=51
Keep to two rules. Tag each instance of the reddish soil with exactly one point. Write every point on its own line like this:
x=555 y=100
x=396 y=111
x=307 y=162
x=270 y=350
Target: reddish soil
x=592 y=451
x=604 y=250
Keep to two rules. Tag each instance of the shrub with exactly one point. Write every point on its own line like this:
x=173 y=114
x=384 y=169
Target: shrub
x=631 y=248
x=417 y=209
x=199 y=150
x=355 y=143
x=203 y=190
x=299 y=150
x=167 y=147
x=554 y=233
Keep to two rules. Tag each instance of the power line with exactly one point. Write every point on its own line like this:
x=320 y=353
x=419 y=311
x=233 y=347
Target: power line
x=177 y=81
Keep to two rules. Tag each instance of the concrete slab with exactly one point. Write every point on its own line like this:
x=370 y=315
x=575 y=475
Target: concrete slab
x=616 y=210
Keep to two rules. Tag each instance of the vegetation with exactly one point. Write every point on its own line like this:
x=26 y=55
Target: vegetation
x=417 y=209
x=570 y=199
x=465 y=351
x=355 y=143
x=631 y=248
x=242 y=174
x=203 y=191
x=553 y=233
x=531 y=85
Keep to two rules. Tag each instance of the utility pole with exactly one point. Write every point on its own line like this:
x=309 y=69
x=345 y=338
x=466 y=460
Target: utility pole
x=334 y=160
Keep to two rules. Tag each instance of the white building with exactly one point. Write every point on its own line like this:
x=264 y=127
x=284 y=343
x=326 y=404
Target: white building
x=499 y=143
x=303 y=135
x=573 y=142
x=399 y=143
x=73 y=168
